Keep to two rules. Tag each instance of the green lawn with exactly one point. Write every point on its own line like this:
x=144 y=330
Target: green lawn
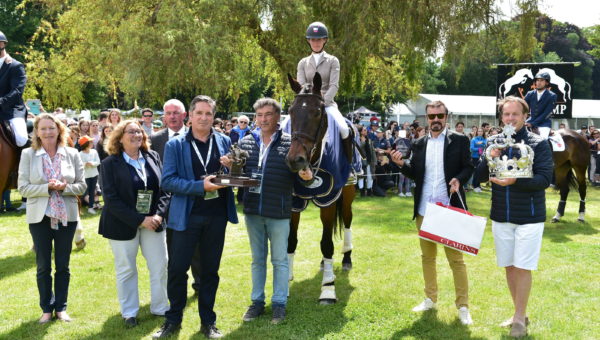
x=375 y=298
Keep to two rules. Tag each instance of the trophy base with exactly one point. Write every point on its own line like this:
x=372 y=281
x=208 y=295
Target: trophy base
x=235 y=181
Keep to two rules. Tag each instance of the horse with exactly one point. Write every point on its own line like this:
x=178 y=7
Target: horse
x=309 y=124
x=9 y=154
x=570 y=168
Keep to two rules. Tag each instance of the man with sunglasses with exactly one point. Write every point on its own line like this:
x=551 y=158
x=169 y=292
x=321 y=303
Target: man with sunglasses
x=440 y=162
x=147 y=115
x=238 y=132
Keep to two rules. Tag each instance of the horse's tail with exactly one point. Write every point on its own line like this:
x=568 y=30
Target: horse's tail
x=571 y=180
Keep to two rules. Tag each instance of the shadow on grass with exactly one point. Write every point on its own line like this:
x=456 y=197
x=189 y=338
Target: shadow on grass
x=559 y=232
x=430 y=327
x=114 y=327
x=13 y=265
x=28 y=330
x=306 y=318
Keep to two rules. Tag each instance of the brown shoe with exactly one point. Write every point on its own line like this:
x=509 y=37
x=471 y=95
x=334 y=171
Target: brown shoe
x=518 y=330
x=63 y=316
x=46 y=317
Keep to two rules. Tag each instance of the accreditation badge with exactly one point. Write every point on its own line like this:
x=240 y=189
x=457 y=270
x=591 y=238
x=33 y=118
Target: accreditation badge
x=211 y=195
x=144 y=200
x=257 y=175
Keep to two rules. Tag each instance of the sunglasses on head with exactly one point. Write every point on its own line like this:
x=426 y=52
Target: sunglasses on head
x=432 y=116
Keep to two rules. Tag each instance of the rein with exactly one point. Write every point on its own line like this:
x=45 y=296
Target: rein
x=314 y=139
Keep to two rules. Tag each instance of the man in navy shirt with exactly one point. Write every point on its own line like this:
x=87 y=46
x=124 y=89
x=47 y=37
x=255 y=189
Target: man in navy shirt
x=198 y=214
x=541 y=101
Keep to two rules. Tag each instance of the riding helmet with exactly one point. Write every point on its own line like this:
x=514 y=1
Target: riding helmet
x=543 y=75
x=3 y=37
x=317 y=30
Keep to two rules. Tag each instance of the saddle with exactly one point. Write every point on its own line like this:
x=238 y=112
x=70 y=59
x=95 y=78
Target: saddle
x=7 y=134
x=557 y=142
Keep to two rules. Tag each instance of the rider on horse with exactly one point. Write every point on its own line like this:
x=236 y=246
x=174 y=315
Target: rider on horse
x=541 y=102
x=12 y=84
x=328 y=67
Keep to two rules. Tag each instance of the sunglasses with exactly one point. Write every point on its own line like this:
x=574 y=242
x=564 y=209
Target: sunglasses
x=432 y=116
x=242 y=122
x=147 y=116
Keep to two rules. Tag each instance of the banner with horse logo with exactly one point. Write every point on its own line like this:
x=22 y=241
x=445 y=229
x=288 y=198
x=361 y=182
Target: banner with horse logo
x=518 y=79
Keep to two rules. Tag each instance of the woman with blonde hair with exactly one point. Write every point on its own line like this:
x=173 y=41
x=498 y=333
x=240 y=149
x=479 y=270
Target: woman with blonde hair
x=51 y=178
x=132 y=218
x=114 y=118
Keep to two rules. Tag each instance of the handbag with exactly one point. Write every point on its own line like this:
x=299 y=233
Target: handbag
x=453 y=227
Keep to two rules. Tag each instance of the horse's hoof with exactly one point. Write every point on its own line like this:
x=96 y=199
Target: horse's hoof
x=581 y=220
x=327 y=302
x=346 y=267
x=554 y=220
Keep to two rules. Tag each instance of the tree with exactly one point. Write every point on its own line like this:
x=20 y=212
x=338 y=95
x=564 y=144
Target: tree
x=152 y=49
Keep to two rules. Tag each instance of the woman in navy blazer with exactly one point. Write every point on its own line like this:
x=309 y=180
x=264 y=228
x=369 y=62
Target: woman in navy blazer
x=131 y=176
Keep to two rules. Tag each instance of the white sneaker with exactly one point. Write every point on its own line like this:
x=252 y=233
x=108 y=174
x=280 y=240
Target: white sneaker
x=426 y=305
x=465 y=316
x=92 y=211
x=401 y=195
x=408 y=194
x=477 y=190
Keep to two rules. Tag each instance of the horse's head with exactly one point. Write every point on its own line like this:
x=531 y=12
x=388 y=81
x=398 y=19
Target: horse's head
x=308 y=123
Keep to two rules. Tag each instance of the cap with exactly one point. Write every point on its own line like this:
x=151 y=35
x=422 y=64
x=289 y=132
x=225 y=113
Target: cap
x=84 y=140
x=584 y=126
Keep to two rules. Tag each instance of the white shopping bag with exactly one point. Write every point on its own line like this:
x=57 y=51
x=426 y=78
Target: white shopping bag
x=453 y=227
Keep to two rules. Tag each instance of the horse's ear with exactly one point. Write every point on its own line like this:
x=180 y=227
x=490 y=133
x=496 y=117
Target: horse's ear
x=317 y=82
x=294 y=84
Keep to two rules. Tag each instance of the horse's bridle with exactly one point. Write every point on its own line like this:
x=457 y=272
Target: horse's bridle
x=297 y=134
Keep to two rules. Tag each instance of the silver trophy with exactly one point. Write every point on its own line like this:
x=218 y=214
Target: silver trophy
x=514 y=160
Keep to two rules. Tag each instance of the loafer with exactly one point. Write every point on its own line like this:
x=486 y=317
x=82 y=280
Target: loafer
x=518 y=330
x=253 y=312
x=63 y=316
x=426 y=305
x=131 y=322
x=465 y=316
x=166 y=330
x=211 y=331
x=46 y=317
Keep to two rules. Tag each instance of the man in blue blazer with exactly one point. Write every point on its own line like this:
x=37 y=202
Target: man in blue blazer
x=12 y=84
x=198 y=214
x=541 y=102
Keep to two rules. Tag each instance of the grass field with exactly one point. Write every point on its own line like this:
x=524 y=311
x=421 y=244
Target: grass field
x=375 y=298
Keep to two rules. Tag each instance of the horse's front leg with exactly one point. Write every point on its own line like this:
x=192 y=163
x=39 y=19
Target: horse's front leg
x=347 y=198
x=292 y=242
x=328 y=216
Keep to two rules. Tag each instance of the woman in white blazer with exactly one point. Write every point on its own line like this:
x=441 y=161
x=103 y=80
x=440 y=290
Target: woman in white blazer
x=51 y=177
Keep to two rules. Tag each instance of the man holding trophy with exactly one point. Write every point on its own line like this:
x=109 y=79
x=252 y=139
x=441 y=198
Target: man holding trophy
x=520 y=167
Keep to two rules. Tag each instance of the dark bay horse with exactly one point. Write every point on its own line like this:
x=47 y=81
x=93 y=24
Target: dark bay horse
x=9 y=161
x=570 y=168
x=309 y=125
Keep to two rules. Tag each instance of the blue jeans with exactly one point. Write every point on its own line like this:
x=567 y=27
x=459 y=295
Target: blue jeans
x=260 y=231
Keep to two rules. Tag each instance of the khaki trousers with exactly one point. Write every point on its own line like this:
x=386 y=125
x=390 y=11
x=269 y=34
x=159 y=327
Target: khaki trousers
x=459 y=270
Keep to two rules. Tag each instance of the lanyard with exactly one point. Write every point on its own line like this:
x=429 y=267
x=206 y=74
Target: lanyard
x=264 y=150
x=142 y=172
x=204 y=165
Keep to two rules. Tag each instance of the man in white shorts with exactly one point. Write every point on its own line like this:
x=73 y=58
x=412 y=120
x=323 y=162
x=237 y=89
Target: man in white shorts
x=518 y=212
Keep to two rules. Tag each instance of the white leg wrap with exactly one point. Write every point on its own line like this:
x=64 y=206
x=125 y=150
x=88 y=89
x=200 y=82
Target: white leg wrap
x=557 y=216
x=328 y=293
x=291 y=266
x=328 y=275
x=582 y=216
x=347 y=240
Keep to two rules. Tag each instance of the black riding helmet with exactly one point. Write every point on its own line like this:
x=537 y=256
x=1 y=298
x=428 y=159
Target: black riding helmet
x=3 y=37
x=543 y=75
x=317 y=30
